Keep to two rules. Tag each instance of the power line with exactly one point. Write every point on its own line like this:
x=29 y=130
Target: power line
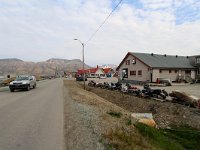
x=104 y=21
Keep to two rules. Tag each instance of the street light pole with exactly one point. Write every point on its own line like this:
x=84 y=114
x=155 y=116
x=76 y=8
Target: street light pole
x=83 y=61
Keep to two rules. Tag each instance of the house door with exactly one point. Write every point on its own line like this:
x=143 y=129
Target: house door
x=124 y=73
x=188 y=73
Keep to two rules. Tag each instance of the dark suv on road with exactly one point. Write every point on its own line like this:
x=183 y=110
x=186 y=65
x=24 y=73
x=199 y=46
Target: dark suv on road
x=24 y=82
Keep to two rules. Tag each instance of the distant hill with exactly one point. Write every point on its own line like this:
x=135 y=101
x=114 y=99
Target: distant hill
x=48 y=67
x=108 y=66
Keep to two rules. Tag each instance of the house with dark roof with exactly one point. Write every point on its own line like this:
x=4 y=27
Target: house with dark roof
x=150 y=67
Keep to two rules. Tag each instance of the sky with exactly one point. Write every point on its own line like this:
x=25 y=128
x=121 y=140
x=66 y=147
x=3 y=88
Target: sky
x=36 y=30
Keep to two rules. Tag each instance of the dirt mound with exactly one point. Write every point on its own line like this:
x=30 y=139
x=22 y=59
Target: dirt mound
x=165 y=113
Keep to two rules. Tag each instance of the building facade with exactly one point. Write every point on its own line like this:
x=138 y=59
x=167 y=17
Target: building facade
x=92 y=72
x=150 y=67
x=195 y=61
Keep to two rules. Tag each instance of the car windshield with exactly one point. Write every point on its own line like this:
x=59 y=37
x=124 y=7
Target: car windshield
x=20 y=78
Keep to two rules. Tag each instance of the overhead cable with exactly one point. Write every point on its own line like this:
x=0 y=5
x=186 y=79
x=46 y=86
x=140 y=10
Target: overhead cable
x=92 y=36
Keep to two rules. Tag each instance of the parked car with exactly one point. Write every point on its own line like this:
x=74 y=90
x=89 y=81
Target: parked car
x=81 y=78
x=165 y=81
x=23 y=82
x=102 y=77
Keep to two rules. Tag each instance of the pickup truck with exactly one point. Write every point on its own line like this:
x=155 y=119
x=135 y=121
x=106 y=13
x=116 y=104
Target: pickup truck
x=23 y=82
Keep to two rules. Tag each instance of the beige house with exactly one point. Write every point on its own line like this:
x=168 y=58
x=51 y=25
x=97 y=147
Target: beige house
x=150 y=67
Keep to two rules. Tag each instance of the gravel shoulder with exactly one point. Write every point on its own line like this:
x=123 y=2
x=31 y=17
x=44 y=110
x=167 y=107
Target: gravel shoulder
x=87 y=122
x=79 y=130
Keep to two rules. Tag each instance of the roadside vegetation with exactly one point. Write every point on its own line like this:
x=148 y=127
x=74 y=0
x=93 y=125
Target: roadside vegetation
x=7 y=81
x=118 y=133
x=141 y=136
x=175 y=138
x=115 y=114
x=127 y=138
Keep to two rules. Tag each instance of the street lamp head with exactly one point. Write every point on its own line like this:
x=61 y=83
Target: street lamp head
x=79 y=41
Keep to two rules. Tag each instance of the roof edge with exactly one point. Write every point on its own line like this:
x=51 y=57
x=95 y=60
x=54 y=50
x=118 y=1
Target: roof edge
x=130 y=53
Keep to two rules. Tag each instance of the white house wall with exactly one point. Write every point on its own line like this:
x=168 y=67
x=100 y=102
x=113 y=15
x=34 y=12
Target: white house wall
x=166 y=74
x=172 y=76
x=193 y=74
x=99 y=72
x=138 y=66
x=155 y=75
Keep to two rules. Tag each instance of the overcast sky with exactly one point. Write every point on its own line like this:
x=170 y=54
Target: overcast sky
x=36 y=30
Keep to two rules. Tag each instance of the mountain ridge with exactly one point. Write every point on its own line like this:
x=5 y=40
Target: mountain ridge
x=48 y=67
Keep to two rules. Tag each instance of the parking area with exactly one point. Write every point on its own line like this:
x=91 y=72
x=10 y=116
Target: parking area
x=192 y=89
x=113 y=79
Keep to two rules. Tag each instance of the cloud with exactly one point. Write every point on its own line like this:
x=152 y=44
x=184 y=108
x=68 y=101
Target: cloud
x=157 y=4
x=40 y=29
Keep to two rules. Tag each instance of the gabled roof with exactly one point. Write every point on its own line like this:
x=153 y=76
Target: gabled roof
x=162 y=61
x=81 y=71
x=107 y=70
x=91 y=70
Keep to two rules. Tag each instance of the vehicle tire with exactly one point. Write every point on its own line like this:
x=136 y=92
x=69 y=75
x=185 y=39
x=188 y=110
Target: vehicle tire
x=34 y=86
x=12 y=90
x=163 y=96
x=28 y=88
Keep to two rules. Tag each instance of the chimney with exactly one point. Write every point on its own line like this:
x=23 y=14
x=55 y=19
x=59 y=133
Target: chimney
x=151 y=54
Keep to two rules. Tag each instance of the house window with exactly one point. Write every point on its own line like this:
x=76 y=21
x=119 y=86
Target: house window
x=134 y=61
x=140 y=72
x=176 y=71
x=170 y=71
x=198 y=72
x=160 y=71
x=127 y=62
x=198 y=60
x=188 y=72
x=132 y=73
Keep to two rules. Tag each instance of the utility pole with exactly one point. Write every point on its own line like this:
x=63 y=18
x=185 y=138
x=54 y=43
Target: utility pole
x=83 y=61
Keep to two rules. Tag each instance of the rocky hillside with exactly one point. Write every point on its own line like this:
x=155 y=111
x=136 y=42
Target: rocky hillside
x=49 y=67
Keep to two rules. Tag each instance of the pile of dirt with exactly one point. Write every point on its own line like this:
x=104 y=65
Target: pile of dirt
x=165 y=113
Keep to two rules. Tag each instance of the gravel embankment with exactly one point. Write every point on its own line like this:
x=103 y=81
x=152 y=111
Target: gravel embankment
x=89 y=124
x=79 y=127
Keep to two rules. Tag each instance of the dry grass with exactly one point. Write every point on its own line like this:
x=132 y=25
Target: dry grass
x=7 y=81
x=117 y=133
x=127 y=138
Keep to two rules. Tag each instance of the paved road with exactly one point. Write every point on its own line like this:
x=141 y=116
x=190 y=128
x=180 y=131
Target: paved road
x=32 y=120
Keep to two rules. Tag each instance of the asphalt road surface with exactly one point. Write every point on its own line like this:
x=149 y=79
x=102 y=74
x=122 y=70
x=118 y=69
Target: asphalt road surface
x=32 y=120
